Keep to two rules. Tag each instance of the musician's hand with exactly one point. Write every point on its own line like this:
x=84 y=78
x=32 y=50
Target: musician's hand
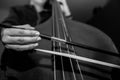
x=20 y=39
x=64 y=7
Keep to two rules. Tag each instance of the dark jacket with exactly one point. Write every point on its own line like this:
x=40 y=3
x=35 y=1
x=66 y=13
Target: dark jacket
x=32 y=65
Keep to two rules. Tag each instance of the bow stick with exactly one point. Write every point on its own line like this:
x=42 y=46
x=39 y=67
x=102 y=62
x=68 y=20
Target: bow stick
x=79 y=45
x=70 y=43
x=75 y=56
x=80 y=58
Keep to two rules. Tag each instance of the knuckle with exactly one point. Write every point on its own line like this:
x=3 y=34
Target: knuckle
x=21 y=40
x=21 y=32
x=5 y=31
x=4 y=39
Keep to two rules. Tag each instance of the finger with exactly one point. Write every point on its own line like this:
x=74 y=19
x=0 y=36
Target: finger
x=26 y=26
x=22 y=47
x=20 y=40
x=20 y=32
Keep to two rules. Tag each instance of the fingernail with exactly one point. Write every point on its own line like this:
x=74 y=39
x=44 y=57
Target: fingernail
x=36 y=44
x=37 y=33
x=38 y=38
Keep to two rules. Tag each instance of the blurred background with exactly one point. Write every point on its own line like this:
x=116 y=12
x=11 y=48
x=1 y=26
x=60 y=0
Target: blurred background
x=81 y=9
x=103 y=14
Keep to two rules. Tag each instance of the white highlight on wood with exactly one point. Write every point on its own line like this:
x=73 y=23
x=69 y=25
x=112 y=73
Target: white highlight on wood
x=80 y=58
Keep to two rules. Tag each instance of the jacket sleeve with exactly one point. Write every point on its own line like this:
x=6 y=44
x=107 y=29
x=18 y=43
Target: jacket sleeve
x=11 y=19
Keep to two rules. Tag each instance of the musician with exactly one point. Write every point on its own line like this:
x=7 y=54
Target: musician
x=20 y=62
x=23 y=37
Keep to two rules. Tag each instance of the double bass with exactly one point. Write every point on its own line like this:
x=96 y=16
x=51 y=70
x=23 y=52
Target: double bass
x=61 y=67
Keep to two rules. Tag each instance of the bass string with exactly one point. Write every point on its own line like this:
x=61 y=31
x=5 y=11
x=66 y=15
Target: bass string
x=53 y=42
x=59 y=44
x=54 y=45
x=74 y=53
x=71 y=63
x=68 y=51
x=57 y=33
x=68 y=38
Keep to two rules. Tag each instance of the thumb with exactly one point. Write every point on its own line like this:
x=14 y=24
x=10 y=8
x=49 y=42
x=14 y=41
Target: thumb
x=26 y=26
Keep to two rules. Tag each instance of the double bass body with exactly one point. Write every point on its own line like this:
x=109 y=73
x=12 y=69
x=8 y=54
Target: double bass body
x=86 y=34
x=50 y=67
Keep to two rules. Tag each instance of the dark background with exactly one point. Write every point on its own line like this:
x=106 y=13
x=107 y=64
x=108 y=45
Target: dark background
x=81 y=9
x=103 y=14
